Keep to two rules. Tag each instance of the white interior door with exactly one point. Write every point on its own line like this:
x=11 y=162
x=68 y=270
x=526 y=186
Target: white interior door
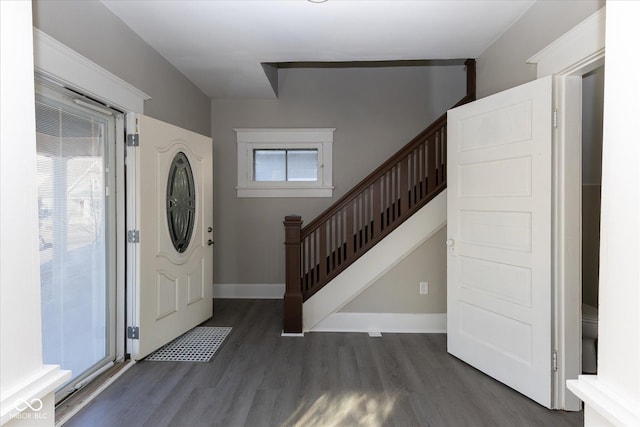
x=499 y=227
x=173 y=211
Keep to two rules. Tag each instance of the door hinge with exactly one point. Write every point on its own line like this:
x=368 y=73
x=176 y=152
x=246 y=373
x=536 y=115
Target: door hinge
x=555 y=360
x=133 y=236
x=133 y=140
x=555 y=118
x=133 y=332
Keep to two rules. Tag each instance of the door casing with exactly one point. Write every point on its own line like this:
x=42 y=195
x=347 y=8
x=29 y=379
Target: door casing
x=576 y=53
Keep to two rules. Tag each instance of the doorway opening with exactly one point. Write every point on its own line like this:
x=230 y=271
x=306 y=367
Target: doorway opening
x=592 y=117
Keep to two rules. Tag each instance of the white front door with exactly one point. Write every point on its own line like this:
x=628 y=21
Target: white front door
x=499 y=237
x=171 y=175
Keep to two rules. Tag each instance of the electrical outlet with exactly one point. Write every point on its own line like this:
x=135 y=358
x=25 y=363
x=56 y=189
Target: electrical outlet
x=424 y=288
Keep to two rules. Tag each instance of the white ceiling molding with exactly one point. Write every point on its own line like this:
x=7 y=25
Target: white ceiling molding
x=583 y=44
x=61 y=63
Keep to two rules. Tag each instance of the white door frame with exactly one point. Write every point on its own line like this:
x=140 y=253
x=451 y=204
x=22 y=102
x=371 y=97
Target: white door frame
x=571 y=56
x=62 y=64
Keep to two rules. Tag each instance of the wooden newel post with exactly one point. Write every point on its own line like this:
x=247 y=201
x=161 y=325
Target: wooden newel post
x=293 y=294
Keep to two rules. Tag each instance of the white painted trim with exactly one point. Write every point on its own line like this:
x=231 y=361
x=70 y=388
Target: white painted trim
x=567 y=240
x=577 y=52
x=285 y=135
x=284 y=192
x=56 y=60
x=132 y=270
x=291 y=334
x=420 y=323
x=376 y=262
x=250 y=139
x=249 y=290
x=618 y=409
x=37 y=386
x=120 y=241
x=581 y=46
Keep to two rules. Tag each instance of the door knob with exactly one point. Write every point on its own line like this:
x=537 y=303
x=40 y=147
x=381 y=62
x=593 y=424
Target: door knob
x=450 y=244
x=210 y=242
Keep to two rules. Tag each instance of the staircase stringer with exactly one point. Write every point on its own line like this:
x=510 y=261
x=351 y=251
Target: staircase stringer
x=356 y=278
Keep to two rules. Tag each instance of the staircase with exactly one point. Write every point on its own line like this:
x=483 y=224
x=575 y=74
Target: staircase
x=318 y=253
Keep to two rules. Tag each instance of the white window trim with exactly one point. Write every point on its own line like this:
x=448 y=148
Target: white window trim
x=320 y=139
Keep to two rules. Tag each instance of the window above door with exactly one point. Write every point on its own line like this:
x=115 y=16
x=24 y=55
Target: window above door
x=285 y=162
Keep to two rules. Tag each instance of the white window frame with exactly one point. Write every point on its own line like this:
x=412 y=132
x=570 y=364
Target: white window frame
x=320 y=139
x=59 y=63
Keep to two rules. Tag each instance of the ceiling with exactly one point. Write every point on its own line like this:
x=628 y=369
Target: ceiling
x=221 y=45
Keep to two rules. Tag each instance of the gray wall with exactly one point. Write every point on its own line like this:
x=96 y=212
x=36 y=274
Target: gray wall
x=503 y=65
x=375 y=112
x=90 y=29
x=397 y=291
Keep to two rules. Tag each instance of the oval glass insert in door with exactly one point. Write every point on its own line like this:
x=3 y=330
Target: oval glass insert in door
x=181 y=202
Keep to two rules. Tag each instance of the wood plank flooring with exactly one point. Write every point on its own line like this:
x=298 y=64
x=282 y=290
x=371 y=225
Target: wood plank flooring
x=258 y=378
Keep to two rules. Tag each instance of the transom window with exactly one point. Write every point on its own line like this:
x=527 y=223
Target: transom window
x=285 y=162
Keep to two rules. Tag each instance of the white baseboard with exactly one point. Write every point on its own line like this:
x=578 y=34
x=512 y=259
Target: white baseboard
x=383 y=322
x=291 y=334
x=249 y=290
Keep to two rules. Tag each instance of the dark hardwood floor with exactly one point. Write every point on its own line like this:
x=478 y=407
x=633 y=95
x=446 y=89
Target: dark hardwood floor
x=258 y=378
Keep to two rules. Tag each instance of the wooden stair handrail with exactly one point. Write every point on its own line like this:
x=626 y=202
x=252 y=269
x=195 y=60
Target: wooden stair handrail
x=371 y=178
x=366 y=214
